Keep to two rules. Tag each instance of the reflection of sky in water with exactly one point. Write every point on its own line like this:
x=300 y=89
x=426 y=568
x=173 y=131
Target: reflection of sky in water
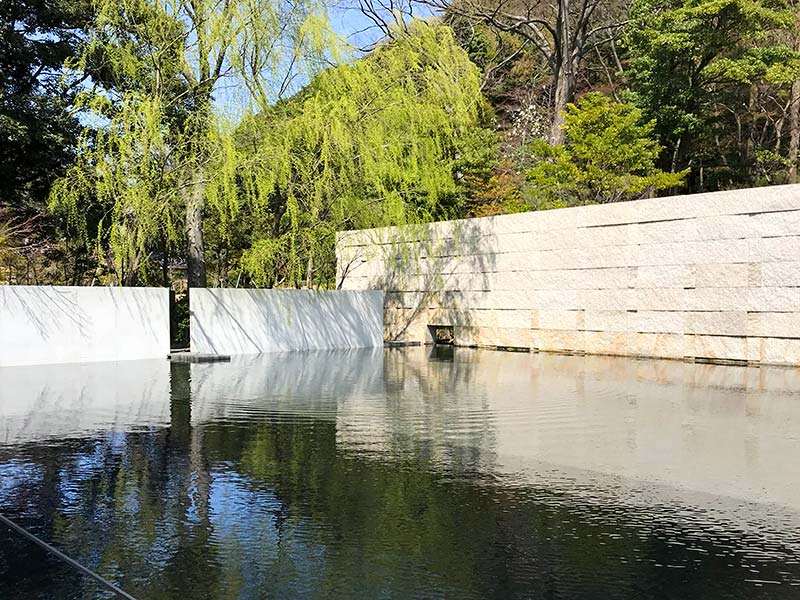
x=288 y=558
x=12 y=474
x=391 y=473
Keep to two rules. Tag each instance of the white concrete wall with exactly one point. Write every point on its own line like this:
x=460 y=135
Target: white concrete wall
x=245 y=321
x=705 y=276
x=40 y=325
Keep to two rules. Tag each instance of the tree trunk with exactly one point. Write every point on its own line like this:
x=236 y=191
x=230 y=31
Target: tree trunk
x=750 y=142
x=794 y=131
x=565 y=92
x=222 y=271
x=564 y=74
x=195 y=256
x=130 y=277
x=164 y=262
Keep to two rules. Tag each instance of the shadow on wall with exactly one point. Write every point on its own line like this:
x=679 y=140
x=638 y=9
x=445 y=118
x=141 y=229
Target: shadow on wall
x=424 y=270
x=45 y=324
x=50 y=310
x=252 y=321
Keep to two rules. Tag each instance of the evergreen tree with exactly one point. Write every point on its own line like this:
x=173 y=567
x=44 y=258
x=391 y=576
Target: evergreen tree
x=37 y=131
x=609 y=155
x=696 y=67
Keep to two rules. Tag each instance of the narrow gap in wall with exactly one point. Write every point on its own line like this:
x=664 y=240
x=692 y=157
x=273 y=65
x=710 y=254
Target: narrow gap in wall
x=179 y=320
x=442 y=334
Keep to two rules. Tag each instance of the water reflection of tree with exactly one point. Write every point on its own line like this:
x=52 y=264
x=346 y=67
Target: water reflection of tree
x=434 y=391
x=298 y=516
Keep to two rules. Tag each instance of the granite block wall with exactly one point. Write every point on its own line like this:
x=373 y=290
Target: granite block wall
x=711 y=276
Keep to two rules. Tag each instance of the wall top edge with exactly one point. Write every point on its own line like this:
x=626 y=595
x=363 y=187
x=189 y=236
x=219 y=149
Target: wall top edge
x=81 y=287
x=684 y=206
x=164 y=289
x=288 y=291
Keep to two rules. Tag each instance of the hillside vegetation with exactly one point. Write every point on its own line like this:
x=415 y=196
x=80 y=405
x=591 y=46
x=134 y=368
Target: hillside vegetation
x=225 y=143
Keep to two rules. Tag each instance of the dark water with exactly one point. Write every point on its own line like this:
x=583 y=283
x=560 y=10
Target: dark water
x=411 y=473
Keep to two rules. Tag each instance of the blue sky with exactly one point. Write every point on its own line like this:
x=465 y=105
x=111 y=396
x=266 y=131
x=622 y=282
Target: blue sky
x=359 y=30
x=346 y=20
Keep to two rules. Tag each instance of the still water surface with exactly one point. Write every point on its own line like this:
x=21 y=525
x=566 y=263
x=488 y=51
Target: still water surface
x=403 y=473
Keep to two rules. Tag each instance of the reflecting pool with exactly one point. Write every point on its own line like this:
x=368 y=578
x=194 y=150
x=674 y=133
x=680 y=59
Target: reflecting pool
x=403 y=473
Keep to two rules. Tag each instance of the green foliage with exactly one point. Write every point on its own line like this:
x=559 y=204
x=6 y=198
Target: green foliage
x=609 y=155
x=489 y=182
x=433 y=123
x=179 y=320
x=38 y=131
x=693 y=68
x=155 y=65
x=368 y=143
x=125 y=174
x=5 y=240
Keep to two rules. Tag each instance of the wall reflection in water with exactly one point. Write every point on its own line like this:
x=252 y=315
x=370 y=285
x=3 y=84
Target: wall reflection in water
x=724 y=430
x=66 y=400
x=404 y=473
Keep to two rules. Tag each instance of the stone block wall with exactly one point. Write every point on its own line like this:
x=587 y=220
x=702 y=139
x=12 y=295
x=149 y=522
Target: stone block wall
x=707 y=276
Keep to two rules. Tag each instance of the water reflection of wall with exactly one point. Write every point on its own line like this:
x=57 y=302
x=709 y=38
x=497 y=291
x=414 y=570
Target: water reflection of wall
x=313 y=384
x=723 y=430
x=303 y=473
x=78 y=400
x=431 y=410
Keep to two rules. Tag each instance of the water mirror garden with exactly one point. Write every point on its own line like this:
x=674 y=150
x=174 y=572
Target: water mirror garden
x=399 y=299
x=405 y=473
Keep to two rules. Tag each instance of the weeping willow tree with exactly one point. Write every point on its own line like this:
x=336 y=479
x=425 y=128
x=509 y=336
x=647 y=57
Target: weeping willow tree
x=122 y=178
x=368 y=143
x=144 y=166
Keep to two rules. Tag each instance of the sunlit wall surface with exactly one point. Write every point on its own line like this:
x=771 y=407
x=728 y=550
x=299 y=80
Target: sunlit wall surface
x=65 y=324
x=709 y=276
x=252 y=321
